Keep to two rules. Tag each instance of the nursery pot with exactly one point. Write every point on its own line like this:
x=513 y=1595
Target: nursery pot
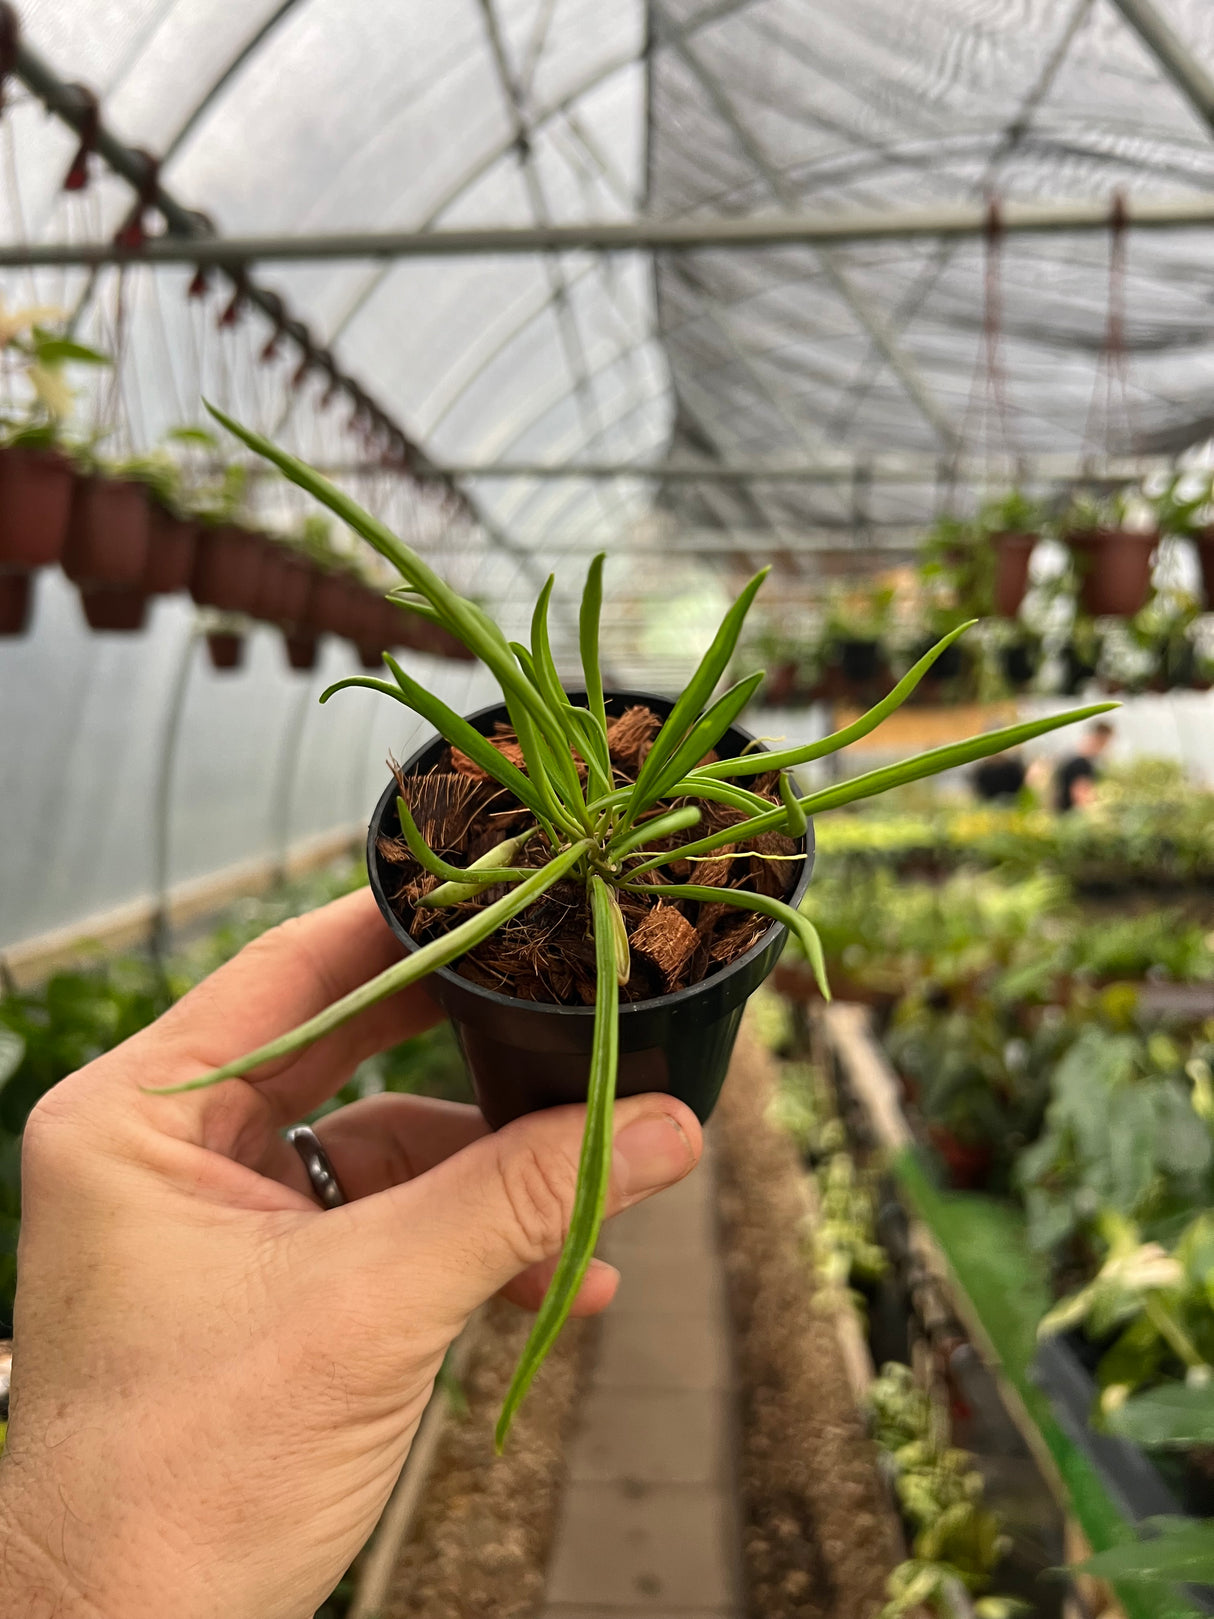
x=860 y=661
x=1114 y=570
x=114 y=608
x=302 y=649
x=107 y=532
x=1012 y=555
x=1017 y=664
x=225 y=650
x=35 y=499
x=171 y=543
x=1205 y=556
x=227 y=568
x=333 y=606
x=527 y=1055
x=16 y=602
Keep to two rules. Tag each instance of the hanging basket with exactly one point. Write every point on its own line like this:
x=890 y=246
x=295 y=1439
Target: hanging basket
x=16 y=603
x=172 y=541
x=1114 y=570
x=35 y=500
x=1013 y=553
x=107 y=532
x=227 y=568
x=333 y=606
x=114 y=609
x=298 y=579
x=225 y=649
x=273 y=582
x=302 y=650
x=1205 y=556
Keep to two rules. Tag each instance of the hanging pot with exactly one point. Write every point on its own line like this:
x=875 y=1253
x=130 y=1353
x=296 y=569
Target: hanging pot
x=227 y=568
x=859 y=660
x=116 y=609
x=273 y=584
x=527 y=1055
x=781 y=684
x=302 y=649
x=1013 y=552
x=35 y=500
x=107 y=532
x=334 y=604
x=171 y=545
x=225 y=649
x=1205 y=556
x=298 y=578
x=1114 y=570
x=16 y=603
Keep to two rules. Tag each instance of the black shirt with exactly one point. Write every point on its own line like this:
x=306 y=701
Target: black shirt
x=1000 y=777
x=1079 y=768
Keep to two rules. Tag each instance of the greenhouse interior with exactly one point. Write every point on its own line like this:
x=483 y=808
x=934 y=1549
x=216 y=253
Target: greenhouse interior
x=598 y=571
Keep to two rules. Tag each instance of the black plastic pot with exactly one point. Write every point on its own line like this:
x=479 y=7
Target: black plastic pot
x=527 y=1055
x=860 y=660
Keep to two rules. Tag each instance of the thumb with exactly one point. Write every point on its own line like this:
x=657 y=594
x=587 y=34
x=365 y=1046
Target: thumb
x=468 y=1226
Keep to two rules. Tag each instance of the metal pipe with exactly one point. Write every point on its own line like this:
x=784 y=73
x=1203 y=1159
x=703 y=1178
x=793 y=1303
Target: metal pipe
x=629 y=236
x=1173 y=55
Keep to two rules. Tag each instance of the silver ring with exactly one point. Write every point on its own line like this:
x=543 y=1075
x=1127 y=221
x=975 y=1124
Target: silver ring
x=321 y=1173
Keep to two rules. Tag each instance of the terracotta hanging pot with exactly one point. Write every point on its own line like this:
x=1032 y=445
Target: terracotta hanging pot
x=302 y=649
x=227 y=568
x=172 y=541
x=35 y=500
x=115 y=609
x=1012 y=555
x=299 y=575
x=16 y=603
x=334 y=606
x=107 y=532
x=225 y=649
x=1114 y=570
x=273 y=581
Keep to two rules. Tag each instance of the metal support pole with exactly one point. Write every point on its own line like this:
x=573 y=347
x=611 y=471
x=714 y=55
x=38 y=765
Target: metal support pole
x=1173 y=55
x=629 y=236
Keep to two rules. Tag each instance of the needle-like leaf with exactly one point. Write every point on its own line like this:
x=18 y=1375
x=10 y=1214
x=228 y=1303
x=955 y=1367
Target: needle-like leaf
x=419 y=965
x=661 y=826
x=699 y=688
x=799 y=926
x=588 y=639
x=950 y=757
x=797 y=818
x=757 y=763
x=700 y=740
x=429 y=861
x=594 y=1167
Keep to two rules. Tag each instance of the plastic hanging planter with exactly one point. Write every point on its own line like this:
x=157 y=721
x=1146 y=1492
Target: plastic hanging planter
x=16 y=603
x=526 y=1055
x=107 y=533
x=1114 y=570
x=1013 y=553
x=227 y=568
x=35 y=501
x=171 y=545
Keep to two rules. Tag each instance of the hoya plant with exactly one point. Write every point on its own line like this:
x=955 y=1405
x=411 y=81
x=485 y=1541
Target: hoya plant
x=612 y=840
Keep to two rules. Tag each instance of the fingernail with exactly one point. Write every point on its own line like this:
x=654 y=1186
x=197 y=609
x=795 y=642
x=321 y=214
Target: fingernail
x=651 y=1153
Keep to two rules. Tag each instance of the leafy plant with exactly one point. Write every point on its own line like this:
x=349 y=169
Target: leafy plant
x=608 y=839
x=1172 y=1551
x=42 y=351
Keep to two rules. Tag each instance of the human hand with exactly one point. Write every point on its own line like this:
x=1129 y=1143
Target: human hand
x=215 y=1382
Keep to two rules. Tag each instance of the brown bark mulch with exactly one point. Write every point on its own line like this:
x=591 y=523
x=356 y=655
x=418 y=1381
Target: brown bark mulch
x=819 y=1536
x=479 y=1546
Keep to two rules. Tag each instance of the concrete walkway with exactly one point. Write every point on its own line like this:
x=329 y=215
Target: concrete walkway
x=648 y=1527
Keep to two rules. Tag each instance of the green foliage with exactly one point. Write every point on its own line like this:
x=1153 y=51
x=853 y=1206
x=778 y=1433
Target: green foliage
x=1172 y=1551
x=590 y=831
x=1174 y=1415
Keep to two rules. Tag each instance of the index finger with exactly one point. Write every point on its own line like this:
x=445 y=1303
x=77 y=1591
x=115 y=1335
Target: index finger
x=286 y=976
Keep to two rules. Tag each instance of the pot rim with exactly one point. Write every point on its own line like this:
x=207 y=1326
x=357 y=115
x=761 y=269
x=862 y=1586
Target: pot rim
x=493 y=997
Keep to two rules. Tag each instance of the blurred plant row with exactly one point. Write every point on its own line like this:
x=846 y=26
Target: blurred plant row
x=126 y=529
x=1111 y=589
x=76 y=1016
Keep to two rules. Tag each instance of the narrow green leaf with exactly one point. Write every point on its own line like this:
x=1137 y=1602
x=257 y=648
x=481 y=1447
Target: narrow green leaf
x=594 y=1167
x=552 y=769
x=755 y=764
x=661 y=826
x=588 y=639
x=797 y=818
x=799 y=926
x=1181 y=1551
x=541 y=651
x=429 y=861
x=438 y=953
x=450 y=725
x=700 y=687
x=465 y=619
x=701 y=739
x=950 y=757
x=720 y=792
x=619 y=934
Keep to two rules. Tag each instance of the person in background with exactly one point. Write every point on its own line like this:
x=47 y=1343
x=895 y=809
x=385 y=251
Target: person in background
x=998 y=778
x=1075 y=777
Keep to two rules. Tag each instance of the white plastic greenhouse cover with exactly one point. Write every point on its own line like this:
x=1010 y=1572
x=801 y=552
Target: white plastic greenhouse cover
x=285 y=116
